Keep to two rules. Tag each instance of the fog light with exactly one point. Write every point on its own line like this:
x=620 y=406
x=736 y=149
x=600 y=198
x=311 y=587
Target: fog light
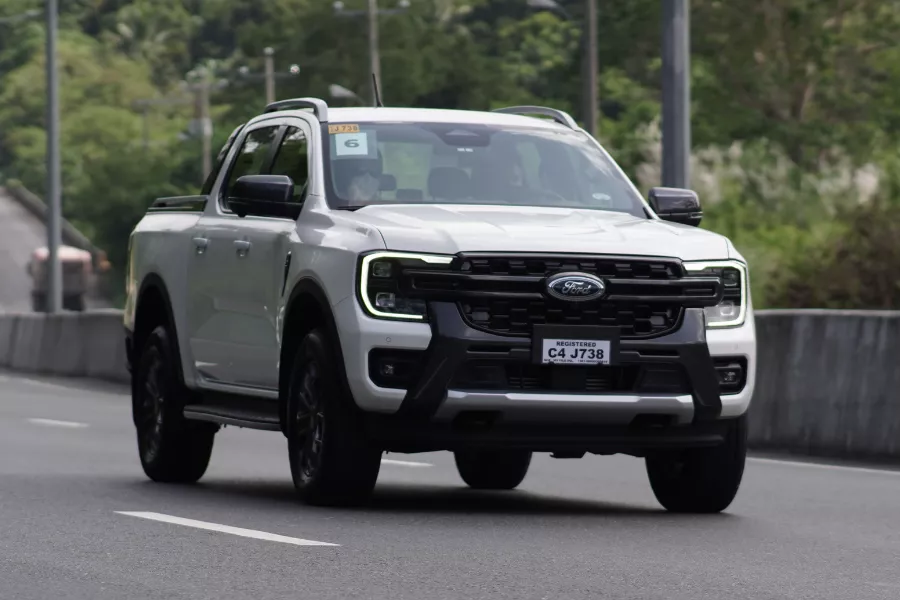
x=727 y=309
x=381 y=269
x=385 y=300
x=387 y=369
x=730 y=376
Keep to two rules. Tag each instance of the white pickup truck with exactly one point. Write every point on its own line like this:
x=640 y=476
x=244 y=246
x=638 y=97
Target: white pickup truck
x=370 y=280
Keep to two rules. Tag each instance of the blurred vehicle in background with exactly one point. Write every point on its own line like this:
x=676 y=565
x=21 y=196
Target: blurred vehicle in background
x=79 y=276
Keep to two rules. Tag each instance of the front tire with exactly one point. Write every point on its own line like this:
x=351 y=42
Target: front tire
x=172 y=449
x=701 y=480
x=493 y=469
x=332 y=462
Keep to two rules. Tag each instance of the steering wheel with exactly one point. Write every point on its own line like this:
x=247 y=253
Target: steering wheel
x=545 y=193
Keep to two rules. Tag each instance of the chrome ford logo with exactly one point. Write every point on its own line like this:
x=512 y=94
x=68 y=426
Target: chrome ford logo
x=575 y=286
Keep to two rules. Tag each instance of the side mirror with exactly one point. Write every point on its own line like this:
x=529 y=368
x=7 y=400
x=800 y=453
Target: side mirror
x=677 y=205
x=264 y=196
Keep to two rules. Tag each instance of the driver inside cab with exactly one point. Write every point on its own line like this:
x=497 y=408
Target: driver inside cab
x=359 y=179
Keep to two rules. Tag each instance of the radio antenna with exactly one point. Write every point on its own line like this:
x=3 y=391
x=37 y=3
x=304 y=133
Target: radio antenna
x=378 y=101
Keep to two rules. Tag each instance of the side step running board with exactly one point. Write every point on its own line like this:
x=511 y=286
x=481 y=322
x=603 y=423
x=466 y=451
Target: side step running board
x=239 y=417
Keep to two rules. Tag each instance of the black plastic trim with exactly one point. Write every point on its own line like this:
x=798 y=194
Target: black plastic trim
x=155 y=281
x=185 y=204
x=309 y=287
x=453 y=341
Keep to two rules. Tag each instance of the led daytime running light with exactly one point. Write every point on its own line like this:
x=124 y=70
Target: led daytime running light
x=695 y=267
x=364 y=280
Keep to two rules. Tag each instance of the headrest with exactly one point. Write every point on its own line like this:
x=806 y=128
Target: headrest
x=448 y=183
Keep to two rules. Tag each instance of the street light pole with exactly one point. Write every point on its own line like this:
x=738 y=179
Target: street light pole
x=202 y=108
x=374 y=54
x=590 y=47
x=54 y=179
x=270 y=74
x=676 y=122
x=372 y=13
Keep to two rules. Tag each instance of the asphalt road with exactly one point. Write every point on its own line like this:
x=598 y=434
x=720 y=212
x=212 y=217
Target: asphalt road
x=586 y=528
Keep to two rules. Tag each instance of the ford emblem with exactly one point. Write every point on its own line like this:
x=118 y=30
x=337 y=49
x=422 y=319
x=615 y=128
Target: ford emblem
x=576 y=287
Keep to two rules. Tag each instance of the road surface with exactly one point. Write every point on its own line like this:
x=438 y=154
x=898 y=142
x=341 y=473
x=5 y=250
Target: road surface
x=79 y=520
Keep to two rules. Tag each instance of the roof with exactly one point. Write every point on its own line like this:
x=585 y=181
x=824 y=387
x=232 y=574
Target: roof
x=65 y=253
x=387 y=114
x=371 y=114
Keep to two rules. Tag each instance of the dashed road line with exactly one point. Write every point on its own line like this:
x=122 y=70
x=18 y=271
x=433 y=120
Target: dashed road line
x=55 y=423
x=405 y=463
x=239 y=531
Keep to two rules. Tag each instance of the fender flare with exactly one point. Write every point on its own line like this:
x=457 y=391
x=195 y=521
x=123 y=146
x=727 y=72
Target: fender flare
x=155 y=281
x=308 y=287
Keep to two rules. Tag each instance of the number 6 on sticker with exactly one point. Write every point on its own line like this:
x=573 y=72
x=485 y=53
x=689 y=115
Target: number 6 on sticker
x=351 y=144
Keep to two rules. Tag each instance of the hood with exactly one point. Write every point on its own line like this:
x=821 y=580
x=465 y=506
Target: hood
x=448 y=229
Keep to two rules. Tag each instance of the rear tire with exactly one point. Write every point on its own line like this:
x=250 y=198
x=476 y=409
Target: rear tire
x=74 y=303
x=701 y=480
x=172 y=448
x=332 y=462
x=493 y=469
x=39 y=303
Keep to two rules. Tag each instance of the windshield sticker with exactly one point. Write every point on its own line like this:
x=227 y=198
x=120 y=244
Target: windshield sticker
x=354 y=145
x=343 y=128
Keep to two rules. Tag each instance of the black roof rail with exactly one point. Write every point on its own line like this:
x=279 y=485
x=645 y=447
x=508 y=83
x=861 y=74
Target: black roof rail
x=561 y=117
x=318 y=107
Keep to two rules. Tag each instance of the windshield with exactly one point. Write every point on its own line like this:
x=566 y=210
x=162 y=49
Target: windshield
x=449 y=163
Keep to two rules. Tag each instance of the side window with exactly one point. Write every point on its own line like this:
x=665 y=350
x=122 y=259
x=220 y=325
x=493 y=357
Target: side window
x=251 y=159
x=293 y=160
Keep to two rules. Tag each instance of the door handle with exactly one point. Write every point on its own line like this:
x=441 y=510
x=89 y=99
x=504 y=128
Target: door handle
x=200 y=244
x=242 y=247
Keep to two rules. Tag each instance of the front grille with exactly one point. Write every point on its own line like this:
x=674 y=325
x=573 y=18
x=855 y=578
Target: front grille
x=617 y=268
x=486 y=375
x=507 y=295
x=517 y=317
x=645 y=296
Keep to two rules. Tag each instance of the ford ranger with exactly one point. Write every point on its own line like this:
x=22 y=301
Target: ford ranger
x=371 y=280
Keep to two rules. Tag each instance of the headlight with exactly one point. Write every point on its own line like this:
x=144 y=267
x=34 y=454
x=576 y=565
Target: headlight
x=384 y=291
x=732 y=310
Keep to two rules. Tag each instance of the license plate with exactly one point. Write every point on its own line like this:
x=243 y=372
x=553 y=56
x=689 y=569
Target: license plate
x=575 y=352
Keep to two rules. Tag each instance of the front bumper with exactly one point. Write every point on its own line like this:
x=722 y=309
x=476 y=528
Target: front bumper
x=448 y=343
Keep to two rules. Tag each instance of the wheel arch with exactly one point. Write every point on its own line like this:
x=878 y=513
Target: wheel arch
x=154 y=308
x=307 y=308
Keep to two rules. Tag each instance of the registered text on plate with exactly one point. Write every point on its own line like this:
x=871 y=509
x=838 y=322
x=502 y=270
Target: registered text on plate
x=575 y=352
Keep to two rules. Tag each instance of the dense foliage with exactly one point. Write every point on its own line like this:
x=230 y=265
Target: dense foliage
x=796 y=107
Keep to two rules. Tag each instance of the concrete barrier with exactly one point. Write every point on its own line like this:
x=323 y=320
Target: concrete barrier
x=827 y=381
x=89 y=344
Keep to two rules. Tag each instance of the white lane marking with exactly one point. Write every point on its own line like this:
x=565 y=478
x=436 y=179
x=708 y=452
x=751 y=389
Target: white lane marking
x=812 y=465
x=60 y=387
x=404 y=463
x=239 y=531
x=55 y=423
